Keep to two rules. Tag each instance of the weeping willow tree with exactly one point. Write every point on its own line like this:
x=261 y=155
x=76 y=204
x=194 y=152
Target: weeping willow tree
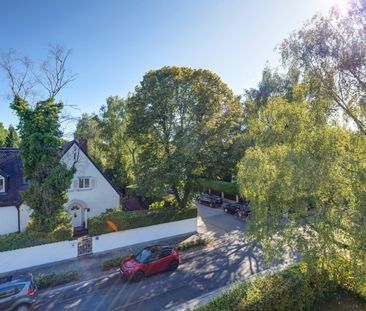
x=306 y=181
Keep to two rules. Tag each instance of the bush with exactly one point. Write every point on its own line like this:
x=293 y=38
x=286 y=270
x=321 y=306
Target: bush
x=120 y=220
x=44 y=281
x=220 y=186
x=191 y=244
x=294 y=289
x=63 y=233
x=31 y=238
x=16 y=240
x=112 y=263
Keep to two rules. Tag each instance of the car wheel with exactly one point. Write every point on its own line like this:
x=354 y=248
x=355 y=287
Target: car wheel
x=199 y=201
x=23 y=307
x=225 y=210
x=173 y=265
x=211 y=205
x=138 y=276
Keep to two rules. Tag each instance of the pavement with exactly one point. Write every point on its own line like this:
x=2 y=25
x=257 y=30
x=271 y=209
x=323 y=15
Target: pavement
x=227 y=259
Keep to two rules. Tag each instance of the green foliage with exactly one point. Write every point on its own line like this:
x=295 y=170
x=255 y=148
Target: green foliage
x=218 y=185
x=12 y=138
x=119 y=220
x=300 y=161
x=112 y=263
x=62 y=232
x=44 y=281
x=3 y=135
x=40 y=153
x=196 y=242
x=185 y=123
x=108 y=143
x=88 y=128
x=14 y=241
x=294 y=289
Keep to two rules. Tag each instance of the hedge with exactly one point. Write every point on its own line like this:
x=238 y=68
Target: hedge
x=119 y=220
x=191 y=244
x=294 y=289
x=16 y=240
x=44 y=281
x=112 y=263
x=220 y=186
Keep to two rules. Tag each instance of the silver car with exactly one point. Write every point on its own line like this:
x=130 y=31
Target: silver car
x=17 y=293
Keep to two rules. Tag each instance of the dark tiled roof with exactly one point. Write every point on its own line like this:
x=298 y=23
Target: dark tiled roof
x=11 y=169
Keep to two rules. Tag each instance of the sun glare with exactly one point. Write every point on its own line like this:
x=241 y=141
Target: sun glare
x=340 y=5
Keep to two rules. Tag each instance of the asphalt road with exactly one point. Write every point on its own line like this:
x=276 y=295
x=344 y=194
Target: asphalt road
x=201 y=271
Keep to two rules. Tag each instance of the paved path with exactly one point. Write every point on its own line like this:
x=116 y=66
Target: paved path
x=227 y=259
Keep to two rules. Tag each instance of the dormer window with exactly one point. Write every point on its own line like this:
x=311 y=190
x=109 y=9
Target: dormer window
x=2 y=184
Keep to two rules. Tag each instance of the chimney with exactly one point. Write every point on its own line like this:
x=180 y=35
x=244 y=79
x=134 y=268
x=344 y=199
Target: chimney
x=83 y=142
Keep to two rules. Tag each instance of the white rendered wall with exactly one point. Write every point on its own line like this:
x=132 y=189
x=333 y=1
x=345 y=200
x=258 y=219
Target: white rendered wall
x=8 y=219
x=102 y=196
x=145 y=234
x=25 y=213
x=37 y=255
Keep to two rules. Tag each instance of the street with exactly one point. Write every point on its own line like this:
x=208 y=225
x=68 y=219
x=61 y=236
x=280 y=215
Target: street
x=228 y=259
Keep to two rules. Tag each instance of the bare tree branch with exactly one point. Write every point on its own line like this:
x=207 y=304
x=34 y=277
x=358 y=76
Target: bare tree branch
x=55 y=77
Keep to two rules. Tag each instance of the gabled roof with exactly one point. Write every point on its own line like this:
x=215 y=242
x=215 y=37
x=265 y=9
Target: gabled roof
x=67 y=146
x=11 y=169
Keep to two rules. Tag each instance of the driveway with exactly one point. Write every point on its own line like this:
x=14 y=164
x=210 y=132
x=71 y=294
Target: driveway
x=226 y=260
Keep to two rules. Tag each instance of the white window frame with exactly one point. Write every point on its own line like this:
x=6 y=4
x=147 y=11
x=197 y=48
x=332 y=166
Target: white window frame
x=82 y=180
x=2 y=180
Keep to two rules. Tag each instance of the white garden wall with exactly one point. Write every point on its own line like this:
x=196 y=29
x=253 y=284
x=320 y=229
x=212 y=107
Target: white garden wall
x=37 y=255
x=53 y=252
x=8 y=219
x=145 y=234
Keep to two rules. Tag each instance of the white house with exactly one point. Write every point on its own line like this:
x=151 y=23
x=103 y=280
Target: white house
x=90 y=193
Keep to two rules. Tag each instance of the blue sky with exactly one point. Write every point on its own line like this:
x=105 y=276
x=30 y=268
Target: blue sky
x=114 y=42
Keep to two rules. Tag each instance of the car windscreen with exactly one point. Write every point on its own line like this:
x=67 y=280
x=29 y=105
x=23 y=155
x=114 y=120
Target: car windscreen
x=143 y=256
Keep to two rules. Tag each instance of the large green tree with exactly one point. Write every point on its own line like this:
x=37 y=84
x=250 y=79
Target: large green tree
x=3 y=135
x=50 y=178
x=88 y=128
x=12 y=138
x=184 y=121
x=306 y=183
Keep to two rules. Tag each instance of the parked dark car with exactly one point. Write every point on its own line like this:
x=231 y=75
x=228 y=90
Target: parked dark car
x=17 y=293
x=150 y=260
x=233 y=208
x=210 y=200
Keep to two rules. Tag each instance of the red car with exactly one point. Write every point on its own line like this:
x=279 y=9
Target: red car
x=150 y=260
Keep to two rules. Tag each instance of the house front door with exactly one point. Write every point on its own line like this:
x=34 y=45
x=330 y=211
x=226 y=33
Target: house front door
x=77 y=216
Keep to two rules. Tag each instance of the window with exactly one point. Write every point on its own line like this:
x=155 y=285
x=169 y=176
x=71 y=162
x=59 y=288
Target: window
x=165 y=252
x=2 y=184
x=84 y=183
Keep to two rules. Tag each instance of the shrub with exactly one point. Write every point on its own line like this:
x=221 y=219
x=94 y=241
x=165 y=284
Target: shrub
x=191 y=244
x=294 y=289
x=63 y=232
x=120 y=220
x=220 y=186
x=44 y=281
x=16 y=240
x=112 y=263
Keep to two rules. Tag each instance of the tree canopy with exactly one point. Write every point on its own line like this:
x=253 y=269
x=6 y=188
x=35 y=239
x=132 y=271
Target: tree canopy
x=184 y=121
